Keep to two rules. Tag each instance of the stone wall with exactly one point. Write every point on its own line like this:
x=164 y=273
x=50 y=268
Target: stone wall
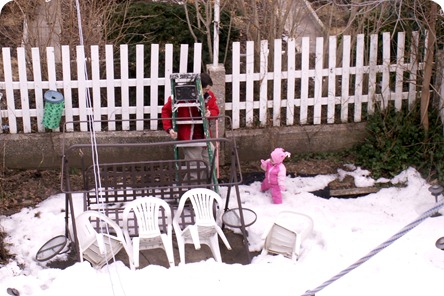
x=45 y=150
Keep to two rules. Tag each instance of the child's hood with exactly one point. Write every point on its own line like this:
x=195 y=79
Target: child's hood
x=278 y=155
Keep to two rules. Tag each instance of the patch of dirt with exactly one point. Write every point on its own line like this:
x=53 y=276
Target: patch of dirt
x=26 y=188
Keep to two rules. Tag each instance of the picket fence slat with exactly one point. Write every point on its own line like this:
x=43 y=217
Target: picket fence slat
x=52 y=77
x=24 y=94
x=306 y=87
x=67 y=88
x=304 y=80
x=197 y=58
x=359 y=76
x=318 y=77
x=96 y=97
x=331 y=104
x=110 y=95
x=235 y=85
x=168 y=69
x=124 y=76
x=154 y=85
x=414 y=68
x=183 y=67
x=249 y=88
x=373 y=56
x=291 y=67
x=263 y=83
x=399 y=70
x=345 y=101
x=10 y=102
x=38 y=90
x=277 y=71
x=385 y=69
x=139 y=86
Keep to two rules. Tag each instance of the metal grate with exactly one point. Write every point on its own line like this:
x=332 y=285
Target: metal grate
x=123 y=182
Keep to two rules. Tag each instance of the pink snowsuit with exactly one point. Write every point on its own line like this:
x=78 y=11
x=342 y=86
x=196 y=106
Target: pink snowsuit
x=275 y=173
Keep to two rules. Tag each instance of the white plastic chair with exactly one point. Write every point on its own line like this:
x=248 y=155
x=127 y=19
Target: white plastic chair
x=99 y=247
x=286 y=234
x=147 y=211
x=205 y=230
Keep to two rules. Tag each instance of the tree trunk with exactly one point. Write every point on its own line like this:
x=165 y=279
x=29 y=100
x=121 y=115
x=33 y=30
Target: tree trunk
x=425 y=94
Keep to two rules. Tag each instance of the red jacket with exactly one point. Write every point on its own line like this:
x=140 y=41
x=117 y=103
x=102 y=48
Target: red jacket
x=188 y=131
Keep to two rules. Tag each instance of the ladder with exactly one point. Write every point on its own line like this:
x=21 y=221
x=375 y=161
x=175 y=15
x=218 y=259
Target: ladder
x=187 y=92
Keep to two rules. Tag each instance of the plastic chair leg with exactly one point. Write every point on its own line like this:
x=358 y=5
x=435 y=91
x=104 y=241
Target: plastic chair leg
x=135 y=259
x=168 y=247
x=214 y=246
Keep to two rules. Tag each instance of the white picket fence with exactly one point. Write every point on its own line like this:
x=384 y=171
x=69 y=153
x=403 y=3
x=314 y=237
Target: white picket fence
x=302 y=88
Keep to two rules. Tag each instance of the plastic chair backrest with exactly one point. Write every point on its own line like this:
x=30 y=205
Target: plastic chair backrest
x=87 y=233
x=202 y=200
x=147 y=211
x=97 y=247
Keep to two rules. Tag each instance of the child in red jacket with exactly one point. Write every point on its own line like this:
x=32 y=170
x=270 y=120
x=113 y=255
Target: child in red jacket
x=191 y=131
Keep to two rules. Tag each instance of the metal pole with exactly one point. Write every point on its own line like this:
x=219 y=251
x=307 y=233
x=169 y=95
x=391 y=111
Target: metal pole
x=216 y=33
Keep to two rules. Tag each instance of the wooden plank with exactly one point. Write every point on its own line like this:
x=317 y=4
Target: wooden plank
x=291 y=66
x=331 y=103
x=385 y=69
x=124 y=86
x=169 y=51
x=67 y=88
x=24 y=94
x=154 y=75
x=353 y=191
x=345 y=100
x=38 y=88
x=52 y=77
x=249 y=99
x=197 y=59
x=110 y=87
x=413 y=68
x=183 y=66
x=235 y=85
x=277 y=76
x=399 y=71
x=82 y=88
x=359 y=77
x=373 y=56
x=96 y=96
x=319 y=62
x=7 y=70
x=140 y=93
x=304 y=80
x=263 y=78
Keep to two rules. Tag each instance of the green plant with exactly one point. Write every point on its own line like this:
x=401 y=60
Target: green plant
x=396 y=140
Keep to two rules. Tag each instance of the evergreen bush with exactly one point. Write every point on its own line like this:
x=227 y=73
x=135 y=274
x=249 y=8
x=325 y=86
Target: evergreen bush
x=397 y=140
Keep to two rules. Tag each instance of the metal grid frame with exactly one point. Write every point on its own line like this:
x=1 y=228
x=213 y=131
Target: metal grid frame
x=121 y=182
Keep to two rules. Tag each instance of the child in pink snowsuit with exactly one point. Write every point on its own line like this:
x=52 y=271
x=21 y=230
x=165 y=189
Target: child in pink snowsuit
x=275 y=173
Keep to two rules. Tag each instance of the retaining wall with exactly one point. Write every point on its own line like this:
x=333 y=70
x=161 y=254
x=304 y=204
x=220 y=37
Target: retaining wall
x=45 y=150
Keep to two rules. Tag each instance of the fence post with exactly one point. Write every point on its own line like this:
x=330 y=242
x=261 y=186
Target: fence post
x=217 y=74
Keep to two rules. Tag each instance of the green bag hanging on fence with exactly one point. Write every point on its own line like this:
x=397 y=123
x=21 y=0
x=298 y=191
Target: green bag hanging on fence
x=54 y=105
